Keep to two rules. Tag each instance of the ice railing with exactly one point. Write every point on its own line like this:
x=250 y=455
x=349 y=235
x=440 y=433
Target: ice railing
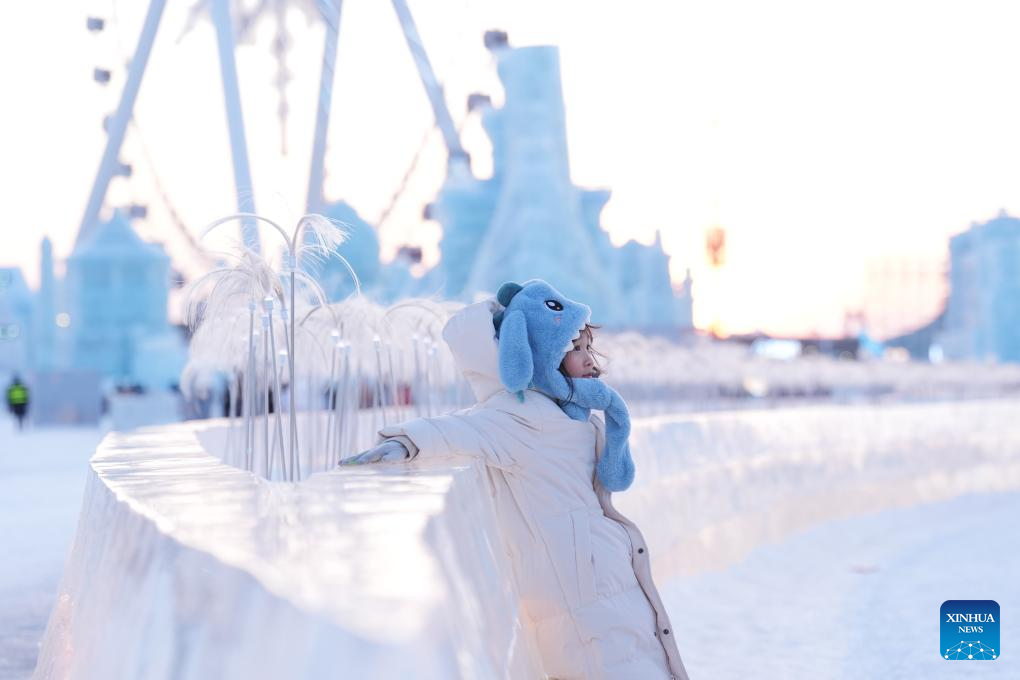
x=183 y=566
x=711 y=487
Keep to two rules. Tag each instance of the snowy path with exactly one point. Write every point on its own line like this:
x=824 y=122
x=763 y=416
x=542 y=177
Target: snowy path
x=856 y=598
x=42 y=476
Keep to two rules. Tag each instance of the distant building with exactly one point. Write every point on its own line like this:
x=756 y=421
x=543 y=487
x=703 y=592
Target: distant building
x=116 y=286
x=982 y=318
x=16 y=321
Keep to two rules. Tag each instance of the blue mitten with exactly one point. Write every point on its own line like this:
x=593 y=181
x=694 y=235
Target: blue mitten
x=386 y=452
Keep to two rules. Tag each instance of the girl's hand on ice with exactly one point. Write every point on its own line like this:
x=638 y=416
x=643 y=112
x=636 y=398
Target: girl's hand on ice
x=389 y=451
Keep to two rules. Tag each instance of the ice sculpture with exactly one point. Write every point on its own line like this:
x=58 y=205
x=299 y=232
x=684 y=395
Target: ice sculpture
x=536 y=228
x=361 y=249
x=529 y=220
x=117 y=286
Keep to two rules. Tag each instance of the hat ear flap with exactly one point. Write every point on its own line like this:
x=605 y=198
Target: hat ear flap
x=507 y=291
x=516 y=365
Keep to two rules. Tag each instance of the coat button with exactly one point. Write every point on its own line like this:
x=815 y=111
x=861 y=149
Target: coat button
x=640 y=550
x=665 y=631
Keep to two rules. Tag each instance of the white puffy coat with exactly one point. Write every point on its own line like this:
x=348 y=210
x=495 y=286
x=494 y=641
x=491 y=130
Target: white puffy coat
x=582 y=569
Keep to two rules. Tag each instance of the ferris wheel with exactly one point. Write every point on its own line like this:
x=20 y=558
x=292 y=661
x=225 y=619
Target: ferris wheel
x=234 y=22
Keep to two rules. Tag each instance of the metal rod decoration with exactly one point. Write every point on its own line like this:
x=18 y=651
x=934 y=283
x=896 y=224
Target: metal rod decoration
x=288 y=340
x=356 y=425
x=416 y=395
x=233 y=392
x=429 y=351
x=394 y=397
x=288 y=473
x=342 y=405
x=267 y=306
x=377 y=343
x=331 y=395
x=295 y=464
x=247 y=402
x=265 y=388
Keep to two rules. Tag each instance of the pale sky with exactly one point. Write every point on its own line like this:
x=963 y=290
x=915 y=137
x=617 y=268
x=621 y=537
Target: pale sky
x=825 y=137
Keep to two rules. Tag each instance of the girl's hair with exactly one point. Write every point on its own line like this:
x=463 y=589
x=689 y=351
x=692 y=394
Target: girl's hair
x=598 y=371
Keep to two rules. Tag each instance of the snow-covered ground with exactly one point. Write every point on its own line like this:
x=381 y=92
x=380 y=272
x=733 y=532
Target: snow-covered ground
x=856 y=598
x=42 y=476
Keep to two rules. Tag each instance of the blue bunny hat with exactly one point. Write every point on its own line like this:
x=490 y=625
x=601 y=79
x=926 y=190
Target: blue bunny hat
x=536 y=329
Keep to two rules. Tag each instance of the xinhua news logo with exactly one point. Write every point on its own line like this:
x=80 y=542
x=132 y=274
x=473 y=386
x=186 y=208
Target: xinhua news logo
x=970 y=630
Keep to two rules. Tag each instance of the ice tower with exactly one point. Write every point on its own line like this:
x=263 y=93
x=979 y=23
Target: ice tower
x=464 y=208
x=537 y=228
x=685 y=302
x=645 y=284
x=529 y=220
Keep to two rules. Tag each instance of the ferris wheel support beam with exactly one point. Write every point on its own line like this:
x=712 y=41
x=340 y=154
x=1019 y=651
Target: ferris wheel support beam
x=458 y=160
x=117 y=125
x=220 y=11
x=317 y=175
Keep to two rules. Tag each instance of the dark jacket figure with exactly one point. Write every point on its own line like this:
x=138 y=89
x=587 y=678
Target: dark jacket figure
x=17 y=400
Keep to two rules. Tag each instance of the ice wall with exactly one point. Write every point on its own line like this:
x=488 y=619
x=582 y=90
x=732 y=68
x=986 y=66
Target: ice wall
x=710 y=488
x=185 y=567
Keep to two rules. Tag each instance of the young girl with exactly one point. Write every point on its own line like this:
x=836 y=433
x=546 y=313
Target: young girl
x=582 y=569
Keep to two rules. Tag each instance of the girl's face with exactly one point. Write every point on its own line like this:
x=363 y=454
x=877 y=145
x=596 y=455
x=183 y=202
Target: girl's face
x=579 y=362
